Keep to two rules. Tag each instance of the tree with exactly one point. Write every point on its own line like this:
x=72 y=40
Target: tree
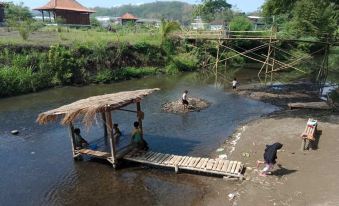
x=18 y=12
x=305 y=17
x=166 y=28
x=240 y=23
x=209 y=9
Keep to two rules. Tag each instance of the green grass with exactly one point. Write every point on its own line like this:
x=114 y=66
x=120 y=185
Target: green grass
x=66 y=36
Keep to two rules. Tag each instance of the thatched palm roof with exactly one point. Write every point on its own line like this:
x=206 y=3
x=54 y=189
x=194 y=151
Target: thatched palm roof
x=87 y=108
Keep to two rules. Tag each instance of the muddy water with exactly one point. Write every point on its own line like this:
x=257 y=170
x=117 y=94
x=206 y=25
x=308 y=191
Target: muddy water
x=37 y=168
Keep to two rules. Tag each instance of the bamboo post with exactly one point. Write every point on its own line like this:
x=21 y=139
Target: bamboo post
x=71 y=135
x=268 y=55
x=49 y=14
x=43 y=17
x=139 y=112
x=273 y=63
x=111 y=139
x=104 y=125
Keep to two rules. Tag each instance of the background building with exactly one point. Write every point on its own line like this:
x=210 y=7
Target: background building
x=69 y=11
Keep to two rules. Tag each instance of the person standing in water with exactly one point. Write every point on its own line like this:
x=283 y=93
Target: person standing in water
x=116 y=133
x=234 y=84
x=185 y=99
x=270 y=157
x=137 y=139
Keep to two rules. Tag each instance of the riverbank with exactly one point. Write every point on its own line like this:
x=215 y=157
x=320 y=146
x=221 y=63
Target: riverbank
x=300 y=177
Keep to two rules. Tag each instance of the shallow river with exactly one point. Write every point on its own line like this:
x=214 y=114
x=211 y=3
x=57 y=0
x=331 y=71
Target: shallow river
x=37 y=166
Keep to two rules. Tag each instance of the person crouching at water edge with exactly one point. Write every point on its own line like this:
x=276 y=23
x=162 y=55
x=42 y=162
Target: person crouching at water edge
x=137 y=139
x=184 y=99
x=270 y=157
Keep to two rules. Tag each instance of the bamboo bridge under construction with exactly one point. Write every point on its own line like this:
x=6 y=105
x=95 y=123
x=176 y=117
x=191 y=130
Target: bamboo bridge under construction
x=268 y=40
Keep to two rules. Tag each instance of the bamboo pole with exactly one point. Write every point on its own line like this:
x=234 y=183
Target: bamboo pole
x=139 y=116
x=103 y=116
x=71 y=135
x=111 y=139
x=240 y=53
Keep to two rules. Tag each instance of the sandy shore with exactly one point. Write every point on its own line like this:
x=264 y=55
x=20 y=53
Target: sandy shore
x=299 y=177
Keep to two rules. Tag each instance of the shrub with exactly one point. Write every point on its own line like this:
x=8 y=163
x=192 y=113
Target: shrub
x=171 y=69
x=14 y=80
x=186 y=62
x=240 y=23
x=104 y=76
x=134 y=72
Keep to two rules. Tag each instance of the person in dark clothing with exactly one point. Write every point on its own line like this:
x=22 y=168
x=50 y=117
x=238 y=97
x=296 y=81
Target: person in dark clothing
x=79 y=141
x=270 y=157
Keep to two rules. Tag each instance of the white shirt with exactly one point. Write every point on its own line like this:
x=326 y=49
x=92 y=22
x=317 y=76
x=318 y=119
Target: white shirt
x=184 y=96
x=234 y=83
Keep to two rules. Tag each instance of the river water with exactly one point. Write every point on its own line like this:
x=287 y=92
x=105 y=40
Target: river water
x=37 y=166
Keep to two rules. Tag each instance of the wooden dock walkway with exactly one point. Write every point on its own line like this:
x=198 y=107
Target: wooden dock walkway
x=221 y=167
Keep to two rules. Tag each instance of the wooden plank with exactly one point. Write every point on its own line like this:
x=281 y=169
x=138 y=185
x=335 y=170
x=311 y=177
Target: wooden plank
x=177 y=160
x=188 y=161
x=94 y=153
x=225 y=166
x=238 y=167
x=203 y=165
x=230 y=167
x=215 y=164
x=196 y=162
x=210 y=164
x=151 y=156
x=234 y=166
x=200 y=163
x=182 y=160
x=173 y=159
x=154 y=157
x=164 y=158
x=167 y=161
x=190 y=164
x=220 y=164
x=148 y=154
x=159 y=157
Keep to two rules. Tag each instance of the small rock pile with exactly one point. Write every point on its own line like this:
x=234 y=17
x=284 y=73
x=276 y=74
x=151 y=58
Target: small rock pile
x=195 y=105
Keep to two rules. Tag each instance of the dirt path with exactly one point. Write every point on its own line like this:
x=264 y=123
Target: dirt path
x=304 y=178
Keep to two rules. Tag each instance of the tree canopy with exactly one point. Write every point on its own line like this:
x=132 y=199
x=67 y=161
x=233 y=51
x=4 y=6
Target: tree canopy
x=304 y=17
x=208 y=10
x=174 y=10
x=17 y=12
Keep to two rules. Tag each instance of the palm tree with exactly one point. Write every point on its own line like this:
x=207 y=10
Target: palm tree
x=166 y=28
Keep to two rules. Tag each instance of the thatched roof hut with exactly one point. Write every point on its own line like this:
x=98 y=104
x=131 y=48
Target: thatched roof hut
x=87 y=110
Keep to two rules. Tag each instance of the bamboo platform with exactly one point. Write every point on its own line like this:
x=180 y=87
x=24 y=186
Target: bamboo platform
x=309 y=105
x=221 y=167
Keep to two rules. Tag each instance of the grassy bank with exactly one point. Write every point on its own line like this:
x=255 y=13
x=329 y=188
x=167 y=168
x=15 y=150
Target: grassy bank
x=67 y=36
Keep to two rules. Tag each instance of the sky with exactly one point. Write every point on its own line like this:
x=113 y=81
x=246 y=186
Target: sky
x=243 y=5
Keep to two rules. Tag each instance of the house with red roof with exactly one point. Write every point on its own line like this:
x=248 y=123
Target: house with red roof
x=70 y=11
x=127 y=18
